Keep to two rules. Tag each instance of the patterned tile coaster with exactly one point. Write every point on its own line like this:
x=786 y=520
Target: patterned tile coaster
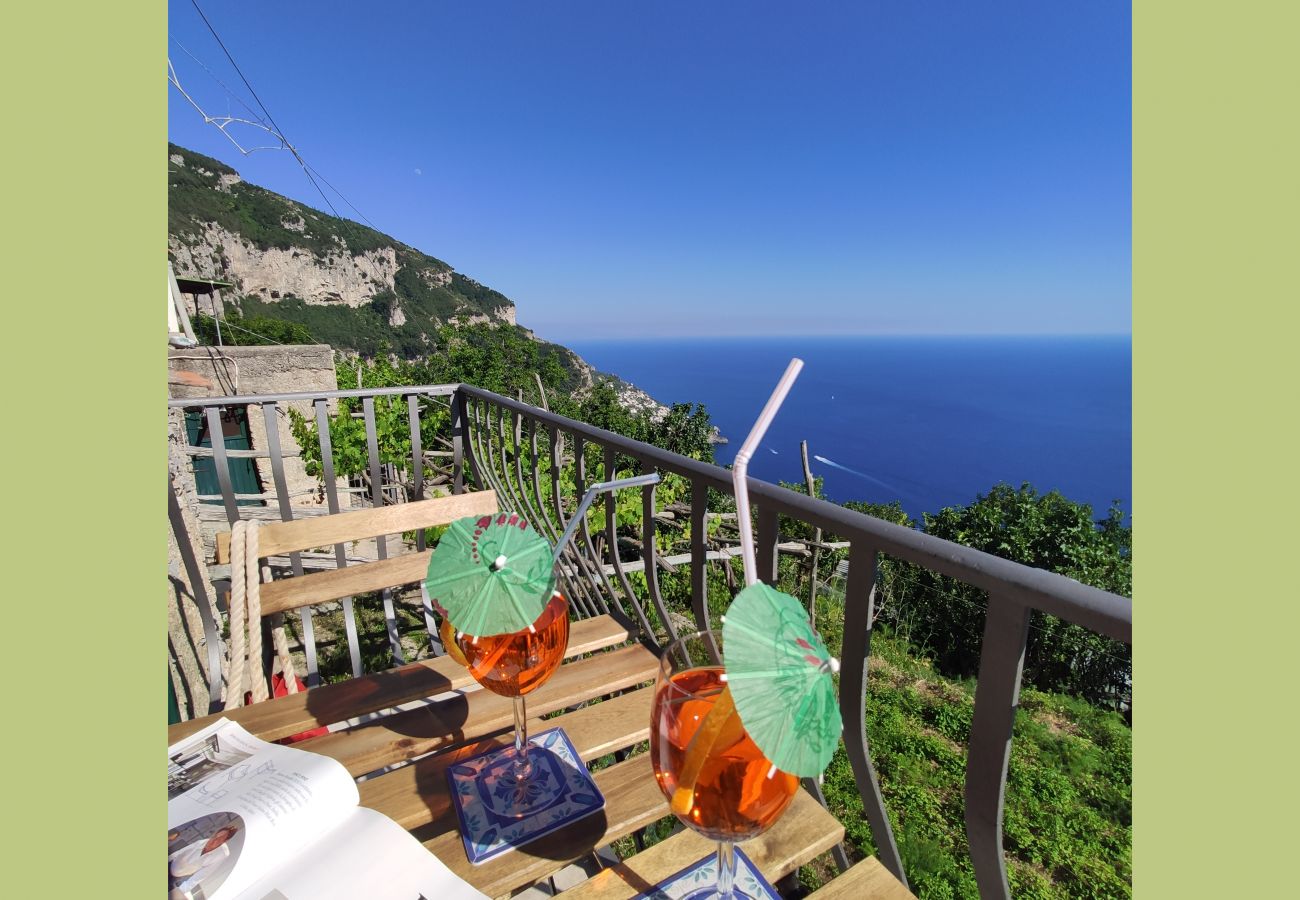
x=699 y=880
x=498 y=813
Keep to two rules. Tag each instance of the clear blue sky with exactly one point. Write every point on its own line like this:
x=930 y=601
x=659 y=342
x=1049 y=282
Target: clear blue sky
x=640 y=169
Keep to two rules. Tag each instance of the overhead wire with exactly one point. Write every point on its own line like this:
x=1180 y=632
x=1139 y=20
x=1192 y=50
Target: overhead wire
x=340 y=193
x=257 y=334
x=307 y=170
x=213 y=75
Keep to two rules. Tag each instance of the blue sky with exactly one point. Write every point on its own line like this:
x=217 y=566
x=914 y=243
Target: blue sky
x=687 y=168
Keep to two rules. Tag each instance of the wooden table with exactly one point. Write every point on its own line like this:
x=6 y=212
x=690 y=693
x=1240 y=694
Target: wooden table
x=600 y=666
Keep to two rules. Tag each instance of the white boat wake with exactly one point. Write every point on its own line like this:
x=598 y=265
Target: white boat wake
x=885 y=484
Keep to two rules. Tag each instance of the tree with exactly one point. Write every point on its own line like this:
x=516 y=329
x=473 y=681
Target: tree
x=1046 y=531
x=237 y=331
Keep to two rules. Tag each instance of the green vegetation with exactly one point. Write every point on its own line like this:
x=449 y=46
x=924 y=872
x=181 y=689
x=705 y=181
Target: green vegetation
x=195 y=199
x=426 y=290
x=1068 y=819
x=503 y=359
x=255 y=331
x=1047 y=531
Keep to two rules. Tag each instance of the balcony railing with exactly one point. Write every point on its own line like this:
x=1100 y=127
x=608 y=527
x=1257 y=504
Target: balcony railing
x=539 y=464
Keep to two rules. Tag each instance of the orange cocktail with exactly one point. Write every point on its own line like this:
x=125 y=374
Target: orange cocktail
x=733 y=796
x=515 y=664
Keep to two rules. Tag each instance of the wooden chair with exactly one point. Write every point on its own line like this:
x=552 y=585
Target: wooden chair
x=289 y=593
x=375 y=692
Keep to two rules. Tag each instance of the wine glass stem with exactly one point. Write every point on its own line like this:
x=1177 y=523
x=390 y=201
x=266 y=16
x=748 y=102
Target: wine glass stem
x=522 y=765
x=726 y=869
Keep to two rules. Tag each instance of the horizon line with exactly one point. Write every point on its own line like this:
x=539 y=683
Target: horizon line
x=841 y=336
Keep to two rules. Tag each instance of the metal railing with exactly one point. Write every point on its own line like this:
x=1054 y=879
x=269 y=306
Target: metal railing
x=539 y=464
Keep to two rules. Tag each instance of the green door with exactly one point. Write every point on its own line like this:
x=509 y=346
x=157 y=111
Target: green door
x=243 y=474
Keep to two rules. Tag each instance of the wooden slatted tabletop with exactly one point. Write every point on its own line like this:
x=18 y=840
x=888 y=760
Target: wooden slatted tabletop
x=604 y=691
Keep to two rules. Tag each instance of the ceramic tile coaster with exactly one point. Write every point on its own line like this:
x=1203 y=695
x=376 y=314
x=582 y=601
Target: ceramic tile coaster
x=699 y=880
x=498 y=812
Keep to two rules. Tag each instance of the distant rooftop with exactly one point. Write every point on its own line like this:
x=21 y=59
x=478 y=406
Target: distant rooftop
x=200 y=285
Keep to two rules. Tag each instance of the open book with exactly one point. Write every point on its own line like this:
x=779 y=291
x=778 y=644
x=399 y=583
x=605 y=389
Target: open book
x=248 y=820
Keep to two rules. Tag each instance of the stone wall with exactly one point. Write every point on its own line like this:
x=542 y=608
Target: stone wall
x=224 y=371
x=187 y=653
x=267 y=370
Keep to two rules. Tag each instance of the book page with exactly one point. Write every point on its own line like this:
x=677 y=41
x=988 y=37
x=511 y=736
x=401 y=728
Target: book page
x=238 y=806
x=367 y=855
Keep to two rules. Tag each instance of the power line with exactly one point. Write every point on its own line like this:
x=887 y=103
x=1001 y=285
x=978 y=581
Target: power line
x=229 y=93
x=256 y=334
x=345 y=199
x=288 y=145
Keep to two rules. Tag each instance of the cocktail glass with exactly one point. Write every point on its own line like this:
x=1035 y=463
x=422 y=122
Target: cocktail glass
x=514 y=665
x=717 y=781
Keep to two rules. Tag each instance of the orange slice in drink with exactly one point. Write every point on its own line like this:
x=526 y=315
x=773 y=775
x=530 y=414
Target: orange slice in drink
x=447 y=635
x=720 y=729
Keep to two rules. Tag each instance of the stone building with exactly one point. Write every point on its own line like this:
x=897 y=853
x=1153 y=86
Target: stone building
x=197 y=372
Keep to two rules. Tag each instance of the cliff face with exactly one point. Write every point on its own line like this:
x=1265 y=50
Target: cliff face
x=274 y=273
x=275 y=249
x=350 y=286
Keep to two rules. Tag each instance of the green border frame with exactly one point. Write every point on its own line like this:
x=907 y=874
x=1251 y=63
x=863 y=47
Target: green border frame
x=1215 y=378
x=1216 y=393
x=85 y=363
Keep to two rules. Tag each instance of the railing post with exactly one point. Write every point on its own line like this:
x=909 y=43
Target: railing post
x=377 y=500
x=699 y=554
x=417 y=456
x=859 y=611
x=765 y=543
x=221 y=462
x=650 y=554
x=584 y=535
x=211 y=633
x=459 y=444
x=271 y=420
x=325 y=442
x=997 y=693
x=646 y=633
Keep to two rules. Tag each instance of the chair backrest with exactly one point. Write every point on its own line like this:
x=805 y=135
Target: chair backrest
x=295 y=592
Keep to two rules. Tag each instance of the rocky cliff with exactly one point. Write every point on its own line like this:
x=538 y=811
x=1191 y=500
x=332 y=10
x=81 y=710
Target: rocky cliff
x=274 y=249
x=350 y=286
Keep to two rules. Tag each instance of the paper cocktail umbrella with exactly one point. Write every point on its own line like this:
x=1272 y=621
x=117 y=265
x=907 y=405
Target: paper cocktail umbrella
x=779 y=673
x=491 y=574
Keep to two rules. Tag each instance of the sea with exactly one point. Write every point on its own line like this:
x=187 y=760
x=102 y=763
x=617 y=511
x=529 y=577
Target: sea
x=931 y=422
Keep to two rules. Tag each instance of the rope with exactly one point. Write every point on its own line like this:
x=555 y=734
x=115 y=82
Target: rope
x=254 y=612
x=246 y=621
x=238 y=660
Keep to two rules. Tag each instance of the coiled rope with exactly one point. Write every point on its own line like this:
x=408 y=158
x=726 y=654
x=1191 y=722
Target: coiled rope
x=246 y=622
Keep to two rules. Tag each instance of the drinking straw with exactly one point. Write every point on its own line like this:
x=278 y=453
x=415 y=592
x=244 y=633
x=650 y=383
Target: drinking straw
x=741 y=467
x=598 y=488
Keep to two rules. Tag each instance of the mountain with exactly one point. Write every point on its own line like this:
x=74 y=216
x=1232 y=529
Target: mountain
x=350 y=286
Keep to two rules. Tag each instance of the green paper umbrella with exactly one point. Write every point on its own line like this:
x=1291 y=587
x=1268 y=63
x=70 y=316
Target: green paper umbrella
x=780 y=673
x=491 y=574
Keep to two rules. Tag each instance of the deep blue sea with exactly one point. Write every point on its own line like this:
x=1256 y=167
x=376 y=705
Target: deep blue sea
x=929 y=421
